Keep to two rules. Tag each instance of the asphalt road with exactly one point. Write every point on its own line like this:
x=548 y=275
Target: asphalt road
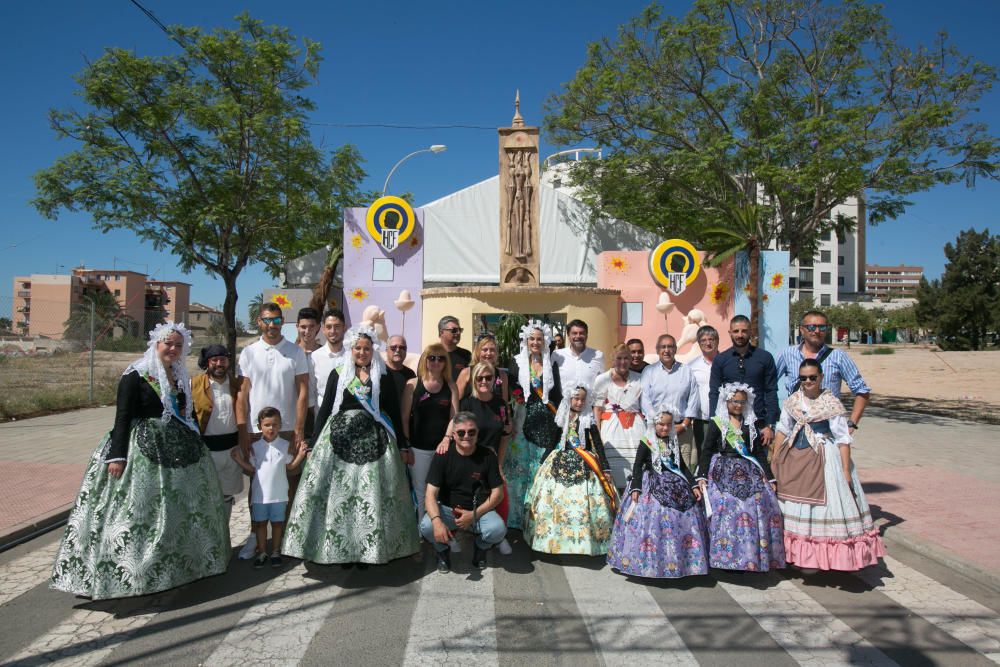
x=525 y=609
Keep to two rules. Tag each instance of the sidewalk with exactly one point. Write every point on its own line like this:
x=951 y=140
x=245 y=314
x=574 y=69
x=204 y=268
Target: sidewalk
x=932 y=482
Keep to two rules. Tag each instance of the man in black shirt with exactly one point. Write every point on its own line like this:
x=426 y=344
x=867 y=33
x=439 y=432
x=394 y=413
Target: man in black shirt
x=450 y=333
x=464 y=488
x=395 y=355
x=752 y=366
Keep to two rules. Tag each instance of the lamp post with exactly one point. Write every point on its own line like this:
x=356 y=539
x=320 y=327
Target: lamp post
x=436 y=148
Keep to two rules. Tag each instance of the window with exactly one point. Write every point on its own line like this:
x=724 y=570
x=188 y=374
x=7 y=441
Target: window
x=824 y=278
x=840 y=260
x=805 y=274
x=825 y=236
x=840 y=281
x=824 y=299
x=792 y=283
x=806 y=261
x=632 y=313
x=118 y=292
x=824 y=256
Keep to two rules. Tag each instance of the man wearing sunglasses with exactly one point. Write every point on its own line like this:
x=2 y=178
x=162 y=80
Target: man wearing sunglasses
x=464 y=488
x=395 y=355
x=837 y=365
x=450 y=333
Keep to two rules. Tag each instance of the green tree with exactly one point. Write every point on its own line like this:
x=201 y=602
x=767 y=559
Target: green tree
x=851 y=316
x=108 y=315
x=205 y=153
x=253 y=308
x=747 y=122
x=796 y=309
x=964 y=305
x=6 y=324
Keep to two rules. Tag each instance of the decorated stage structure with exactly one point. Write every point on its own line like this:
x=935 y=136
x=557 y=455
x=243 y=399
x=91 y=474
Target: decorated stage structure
x=513 y=244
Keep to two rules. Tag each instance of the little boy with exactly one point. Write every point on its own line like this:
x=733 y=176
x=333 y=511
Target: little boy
x=269 y=466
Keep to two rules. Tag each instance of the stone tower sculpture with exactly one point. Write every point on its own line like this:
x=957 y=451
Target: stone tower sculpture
x=519 y=210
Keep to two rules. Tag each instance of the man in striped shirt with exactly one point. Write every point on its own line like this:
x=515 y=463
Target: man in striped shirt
x=837 y=365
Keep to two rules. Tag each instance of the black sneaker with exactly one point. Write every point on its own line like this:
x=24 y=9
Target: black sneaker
x=277 y=561
x=444 y=562
x=479 y=558
x=260 y=560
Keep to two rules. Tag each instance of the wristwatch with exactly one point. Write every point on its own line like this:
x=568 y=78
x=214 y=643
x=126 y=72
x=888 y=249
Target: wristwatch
x=852 y=424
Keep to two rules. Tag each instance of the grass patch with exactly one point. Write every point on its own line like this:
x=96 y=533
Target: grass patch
x=31 y=386
x=879 y=350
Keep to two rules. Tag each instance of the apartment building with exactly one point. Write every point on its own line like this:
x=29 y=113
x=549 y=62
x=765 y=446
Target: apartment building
x=837 y=272
x=44 y=302
x=202 y=317
x=893 y=281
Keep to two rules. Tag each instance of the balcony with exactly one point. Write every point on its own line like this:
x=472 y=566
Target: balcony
x=26 y=293
x=805 y=284
x=24 y=309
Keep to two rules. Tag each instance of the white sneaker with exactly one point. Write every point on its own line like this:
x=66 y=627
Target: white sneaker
x=504 y=547
x=249 y=548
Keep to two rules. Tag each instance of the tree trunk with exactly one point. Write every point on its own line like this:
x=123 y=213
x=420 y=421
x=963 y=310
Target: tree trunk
x=322 y=291
x=753 y=291
x=229 y=312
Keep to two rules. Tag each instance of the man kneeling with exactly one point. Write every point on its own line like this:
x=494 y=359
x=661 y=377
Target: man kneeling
x=463 y=489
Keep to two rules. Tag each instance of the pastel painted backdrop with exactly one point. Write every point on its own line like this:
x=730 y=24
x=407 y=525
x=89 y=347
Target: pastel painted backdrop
x=374 y=277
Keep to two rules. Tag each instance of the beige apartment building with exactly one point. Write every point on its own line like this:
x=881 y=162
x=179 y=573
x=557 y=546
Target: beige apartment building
x=892 y=281
x=43 y=302
x=201 y=318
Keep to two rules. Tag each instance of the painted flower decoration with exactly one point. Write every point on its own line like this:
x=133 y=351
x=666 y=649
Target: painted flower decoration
x=720 y=292
x=357 y=241
x=764 y=298
x=281 y=300
x=414 y=241
x=777 y=280
x=359 y=294
x=618 y=264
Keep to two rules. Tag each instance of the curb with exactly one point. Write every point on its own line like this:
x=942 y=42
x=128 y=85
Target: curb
x=29 y=530
x=897 y=538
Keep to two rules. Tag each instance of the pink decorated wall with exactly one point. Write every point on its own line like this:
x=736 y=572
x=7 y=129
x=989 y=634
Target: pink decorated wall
x=645 y=314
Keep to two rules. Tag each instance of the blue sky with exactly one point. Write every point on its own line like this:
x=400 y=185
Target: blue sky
x=442 y=62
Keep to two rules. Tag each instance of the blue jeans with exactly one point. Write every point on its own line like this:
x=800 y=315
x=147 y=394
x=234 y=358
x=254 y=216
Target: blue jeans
x=488 y=528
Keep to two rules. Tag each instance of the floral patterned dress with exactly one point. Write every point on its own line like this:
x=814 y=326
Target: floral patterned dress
x=566 y=510
x=161 y=524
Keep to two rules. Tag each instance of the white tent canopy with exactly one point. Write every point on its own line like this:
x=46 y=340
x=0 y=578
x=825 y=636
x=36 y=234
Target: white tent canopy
x=462 y=239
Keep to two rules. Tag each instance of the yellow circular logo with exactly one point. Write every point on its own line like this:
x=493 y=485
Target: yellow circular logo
x=390 y=221
x=674 y=264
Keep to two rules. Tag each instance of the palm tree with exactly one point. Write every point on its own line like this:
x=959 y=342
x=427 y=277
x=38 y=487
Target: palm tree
x=253 y=308
x=108 y=314
x=322 y=291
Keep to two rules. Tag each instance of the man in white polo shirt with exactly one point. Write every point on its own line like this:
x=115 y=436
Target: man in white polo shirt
x=331 y=355
x=578 y=364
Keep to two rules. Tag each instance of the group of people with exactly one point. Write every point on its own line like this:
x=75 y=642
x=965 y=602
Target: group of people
x=665 y=468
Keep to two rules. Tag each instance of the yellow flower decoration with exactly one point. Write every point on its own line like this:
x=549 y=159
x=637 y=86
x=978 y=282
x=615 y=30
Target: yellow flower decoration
x=281 y=300
x=720 y=292
x=618 y=264
x=777 y=280
x=359 y=294
x=357 y=241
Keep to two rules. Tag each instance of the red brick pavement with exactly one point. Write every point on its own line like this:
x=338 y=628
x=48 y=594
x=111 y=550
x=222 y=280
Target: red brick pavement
x=30 y=491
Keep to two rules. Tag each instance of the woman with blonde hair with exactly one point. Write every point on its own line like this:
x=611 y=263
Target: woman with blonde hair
x=430 y=400
x=486 y=350
x=618 y=414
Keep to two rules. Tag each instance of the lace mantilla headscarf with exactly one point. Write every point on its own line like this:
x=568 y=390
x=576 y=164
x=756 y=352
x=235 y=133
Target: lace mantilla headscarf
x=151 y=365
x=564 y=414
x=722 y=411
x=523 y=359
x=349 y=371
x=663 y=449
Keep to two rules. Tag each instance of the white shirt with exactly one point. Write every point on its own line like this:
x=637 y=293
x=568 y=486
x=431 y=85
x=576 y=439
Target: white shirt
x=272 y=370
x=270 y=481
x=222 y=421
x=702 y=371
x=607 y=393
x=323 y=361
x=578 y=371
x=676 y=387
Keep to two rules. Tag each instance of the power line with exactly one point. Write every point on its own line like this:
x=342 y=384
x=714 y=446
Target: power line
x=152 y=17
x=402 y=126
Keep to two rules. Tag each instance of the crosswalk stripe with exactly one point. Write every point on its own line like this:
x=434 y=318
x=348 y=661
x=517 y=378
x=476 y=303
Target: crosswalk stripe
x=802 y=626
x=278 y=628
x=975 y=625
x=88 y=636
x=22 y=574
x=624 y=620
x=454 y=622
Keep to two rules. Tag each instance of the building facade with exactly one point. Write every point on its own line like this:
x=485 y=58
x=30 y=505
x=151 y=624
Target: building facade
x=201 y=318
x=837 y=272
x=893 y=281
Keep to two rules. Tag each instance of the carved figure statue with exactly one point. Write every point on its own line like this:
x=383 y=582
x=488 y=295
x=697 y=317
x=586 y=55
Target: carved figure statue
x=519 y=205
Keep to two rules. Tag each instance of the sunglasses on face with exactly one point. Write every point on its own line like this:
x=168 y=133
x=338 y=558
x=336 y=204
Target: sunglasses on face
x=272 y=320
x=808 y=378
x=462 y=432
x=454 y=330
x=816 y=327
x=484 y=378
x=433 y=358
x=398 y=348
x=738 y=401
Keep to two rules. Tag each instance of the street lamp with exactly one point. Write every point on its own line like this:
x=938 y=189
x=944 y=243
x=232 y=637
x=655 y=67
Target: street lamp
x=436 y=148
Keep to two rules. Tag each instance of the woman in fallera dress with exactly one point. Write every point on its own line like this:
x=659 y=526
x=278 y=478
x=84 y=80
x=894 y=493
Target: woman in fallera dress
x=150 y=514
x=353 y=504
x=617 y=394
x=660 y=530
x=538 y=384
x=745 y=528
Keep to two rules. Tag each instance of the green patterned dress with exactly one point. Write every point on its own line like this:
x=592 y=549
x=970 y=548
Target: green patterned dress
x=353 y=503
x=161 y=524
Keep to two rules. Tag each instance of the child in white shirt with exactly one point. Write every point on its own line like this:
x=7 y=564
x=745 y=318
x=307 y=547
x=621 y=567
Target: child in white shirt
x=269 y=465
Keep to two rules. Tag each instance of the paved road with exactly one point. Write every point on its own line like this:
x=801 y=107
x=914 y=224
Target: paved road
x=523 y=610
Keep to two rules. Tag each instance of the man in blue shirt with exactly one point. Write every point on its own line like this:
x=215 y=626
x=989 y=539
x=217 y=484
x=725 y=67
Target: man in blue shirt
x=753 y=366
x=836 y=364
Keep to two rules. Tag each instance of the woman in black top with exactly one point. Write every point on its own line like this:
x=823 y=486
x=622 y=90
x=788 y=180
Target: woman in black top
x=430 y=400
x=485 y=350
x=150 y=514
x=353 y=504
x=492 y=418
